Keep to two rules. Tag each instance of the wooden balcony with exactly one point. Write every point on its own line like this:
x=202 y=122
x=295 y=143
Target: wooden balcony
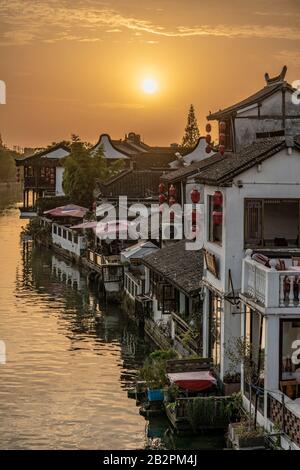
x=38 y=182
x=109 y=266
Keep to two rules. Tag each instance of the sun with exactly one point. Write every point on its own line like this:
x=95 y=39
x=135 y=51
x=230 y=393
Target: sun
x=149 y=85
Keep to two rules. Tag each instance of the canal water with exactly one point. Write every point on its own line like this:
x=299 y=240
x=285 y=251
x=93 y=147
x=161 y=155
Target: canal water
x=70 y=359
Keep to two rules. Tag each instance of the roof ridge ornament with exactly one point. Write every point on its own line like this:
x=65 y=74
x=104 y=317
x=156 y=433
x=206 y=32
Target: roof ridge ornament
x=278 y=79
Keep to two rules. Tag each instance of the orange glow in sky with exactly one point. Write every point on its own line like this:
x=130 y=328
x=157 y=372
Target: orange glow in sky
x=124 y=65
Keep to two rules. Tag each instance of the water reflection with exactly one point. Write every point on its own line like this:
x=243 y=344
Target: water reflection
x=70 y=358
x=9 y=194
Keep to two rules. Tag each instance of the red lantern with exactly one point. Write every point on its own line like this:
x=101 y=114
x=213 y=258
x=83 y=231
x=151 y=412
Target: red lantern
x=194 y=216
x=217 y=198
x=217 y=217
x=208 y=148
x=221 y=149
x=195 y=196
x=208 y=127
x=208 y=138
x=161 y=188
x=222 y=126
x=172 y=200
x=172 y=190
x=222 y=138
x=162 y=198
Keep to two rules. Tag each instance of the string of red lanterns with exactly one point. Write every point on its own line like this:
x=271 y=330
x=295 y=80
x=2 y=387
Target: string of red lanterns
x=222 y=128
x=208 y=148
x=172 y=191
x=195 y=198
x=218 y=210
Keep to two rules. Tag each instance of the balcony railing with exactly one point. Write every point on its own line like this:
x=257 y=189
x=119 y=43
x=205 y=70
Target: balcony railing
x=111 y=267
x=184 y=334
x=269 y=287
x=38 y=182
x=132 y=284
x=285 y=414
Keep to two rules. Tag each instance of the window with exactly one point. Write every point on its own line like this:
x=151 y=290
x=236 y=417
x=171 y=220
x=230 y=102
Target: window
x=59 y=231
x=215 y=221
x=290 y=357
x=70 y=236
x=54 y=229
x=228 y=135
x=215 y=329
x=254 y=333
x=75 y=238
x=64 y=233
x=168 y=299
x=154 y=281
x=271 y=222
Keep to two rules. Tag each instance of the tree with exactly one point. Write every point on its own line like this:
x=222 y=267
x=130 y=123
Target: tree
x=241 y=352
x=7 y=164
x=192 y=133
x=82 y=170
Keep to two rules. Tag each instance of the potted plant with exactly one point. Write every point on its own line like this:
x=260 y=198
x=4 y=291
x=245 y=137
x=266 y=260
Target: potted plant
x=231 y=383
x=242 y=437
x=241 y=352
x=153 y=373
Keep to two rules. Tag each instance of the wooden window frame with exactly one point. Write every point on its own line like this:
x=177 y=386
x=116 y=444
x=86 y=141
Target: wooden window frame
x=263 y=201
x=210 y=235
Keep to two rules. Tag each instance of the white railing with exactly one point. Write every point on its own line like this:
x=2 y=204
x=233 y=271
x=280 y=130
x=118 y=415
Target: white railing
x=256 y=286
x=67 y=239
x=269 y=287
x=289 y=289
x=132 y=285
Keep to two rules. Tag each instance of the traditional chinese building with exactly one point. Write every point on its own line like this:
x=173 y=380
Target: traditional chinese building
x=42 y=176
x=269 y=112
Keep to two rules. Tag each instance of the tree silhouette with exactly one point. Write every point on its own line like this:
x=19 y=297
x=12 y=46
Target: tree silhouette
x=83 y=170
x=192 y=133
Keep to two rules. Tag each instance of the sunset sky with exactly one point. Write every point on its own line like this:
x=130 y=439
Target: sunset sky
x=73 y=66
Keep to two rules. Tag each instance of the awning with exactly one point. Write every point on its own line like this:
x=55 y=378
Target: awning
x=194 y=381
x=70 y=210
x=112 y=229
x=91 y=224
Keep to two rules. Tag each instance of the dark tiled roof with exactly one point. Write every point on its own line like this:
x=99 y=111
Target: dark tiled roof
x=255 y=98
x=180 y=267
x=130 y=148
x=148 y=160
x=146 y=155
x=232 y=164
x=133 y=184
x=189 y=170
x=41 y=153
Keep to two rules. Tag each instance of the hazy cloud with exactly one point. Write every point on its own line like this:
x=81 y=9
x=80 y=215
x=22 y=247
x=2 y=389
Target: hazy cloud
x=27 y=21
x=289 y=57
x=114 y=105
